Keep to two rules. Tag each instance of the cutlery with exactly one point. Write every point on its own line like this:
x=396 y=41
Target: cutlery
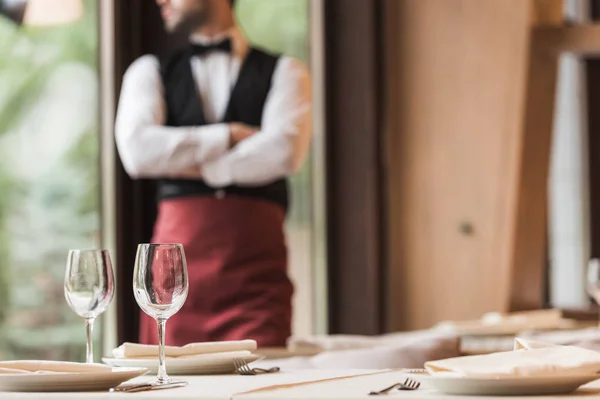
x=140 y=387
x=242 y=368
x=415 y=371
x=409 y=384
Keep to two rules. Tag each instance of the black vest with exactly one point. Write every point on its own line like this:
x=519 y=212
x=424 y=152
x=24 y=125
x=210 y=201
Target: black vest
x=184 y=108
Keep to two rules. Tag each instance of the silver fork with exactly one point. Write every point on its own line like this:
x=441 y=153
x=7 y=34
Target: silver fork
x=242 y=368
x=415 y=371
x=408 y=384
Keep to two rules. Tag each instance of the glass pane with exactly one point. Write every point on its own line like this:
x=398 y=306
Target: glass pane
x=282 y=26
x=49 y=181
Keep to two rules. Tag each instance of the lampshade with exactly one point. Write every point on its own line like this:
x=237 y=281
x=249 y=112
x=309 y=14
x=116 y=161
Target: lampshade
x=52 y=12
x=13 y=9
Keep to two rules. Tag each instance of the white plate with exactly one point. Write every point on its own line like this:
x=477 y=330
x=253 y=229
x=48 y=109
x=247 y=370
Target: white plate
x=218 y=363
x=505 y=386
x=68 y=382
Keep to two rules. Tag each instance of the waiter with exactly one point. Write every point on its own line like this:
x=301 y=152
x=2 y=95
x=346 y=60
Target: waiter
x=220 y=126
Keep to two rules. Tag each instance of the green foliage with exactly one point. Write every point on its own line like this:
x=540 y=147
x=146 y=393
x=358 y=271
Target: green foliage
x=45 y=212
x=85 y=157
x=281 y=26
x=49 y=203
x=277 y=25
x=6 y=186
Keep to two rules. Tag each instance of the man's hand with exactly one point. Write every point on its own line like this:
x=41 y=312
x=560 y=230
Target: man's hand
x=239 y=132
x=189 y=173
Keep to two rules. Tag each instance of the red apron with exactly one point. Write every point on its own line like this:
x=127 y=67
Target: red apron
x=237 y=260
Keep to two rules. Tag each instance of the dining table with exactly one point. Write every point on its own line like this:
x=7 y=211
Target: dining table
x=288 y=384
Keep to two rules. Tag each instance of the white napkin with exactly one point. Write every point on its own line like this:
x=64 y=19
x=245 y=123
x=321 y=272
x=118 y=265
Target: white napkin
x=507 y=324
x=35 y=366
x=135 y=350
x=588 y=338
x=319 y=343
x=529 y=358
x=394 y=351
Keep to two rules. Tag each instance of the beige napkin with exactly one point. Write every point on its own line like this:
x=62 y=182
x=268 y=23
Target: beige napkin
x=588 y=338
x=34 y=366
x=508 y=324
x=319 y=343
x=529 y=358
x=135 y=350
x=391 y=353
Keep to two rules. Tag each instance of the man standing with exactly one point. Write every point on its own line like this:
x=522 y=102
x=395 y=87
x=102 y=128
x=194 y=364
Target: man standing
x=220 y=125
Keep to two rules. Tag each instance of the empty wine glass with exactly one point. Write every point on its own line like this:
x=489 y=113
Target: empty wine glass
x=160 y=286
x=593 y=280
x=89 y=288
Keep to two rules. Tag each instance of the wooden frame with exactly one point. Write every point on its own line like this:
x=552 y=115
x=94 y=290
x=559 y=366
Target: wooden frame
x=135 y=203
x=355 y=219
x=354 y=194
x=593 y=139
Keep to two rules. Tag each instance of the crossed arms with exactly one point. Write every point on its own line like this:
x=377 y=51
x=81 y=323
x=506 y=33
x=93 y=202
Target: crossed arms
x=220 y=154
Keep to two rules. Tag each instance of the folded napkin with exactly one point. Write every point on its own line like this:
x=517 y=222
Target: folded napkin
x=135 y=350
x=319 y=343
x=588 y=338
x=390 y=353
x=34 y=366
x=506 y=324
x=529 y=358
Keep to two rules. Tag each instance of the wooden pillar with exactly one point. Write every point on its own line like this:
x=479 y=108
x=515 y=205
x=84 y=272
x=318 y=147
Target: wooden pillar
x=353 y=114
x=593 y=121
x=137 y=32
x=526 y=253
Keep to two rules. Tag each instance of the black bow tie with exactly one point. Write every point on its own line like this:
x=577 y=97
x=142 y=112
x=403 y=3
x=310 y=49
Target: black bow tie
x=200 y=49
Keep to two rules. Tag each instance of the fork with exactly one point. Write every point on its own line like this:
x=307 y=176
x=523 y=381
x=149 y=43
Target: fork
x=409 y=384
x=242 y=368
x=415 y=371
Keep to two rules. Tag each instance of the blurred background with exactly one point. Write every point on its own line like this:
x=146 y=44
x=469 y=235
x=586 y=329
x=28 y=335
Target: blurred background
x=454 y=171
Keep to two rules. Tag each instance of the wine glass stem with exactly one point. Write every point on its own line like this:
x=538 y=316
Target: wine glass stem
x=89 y=349
x=162 y=376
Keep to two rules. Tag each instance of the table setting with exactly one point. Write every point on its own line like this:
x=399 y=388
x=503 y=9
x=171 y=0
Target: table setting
x=530 y=369
x=421 y=365
x=194 y=358
x=160 y=288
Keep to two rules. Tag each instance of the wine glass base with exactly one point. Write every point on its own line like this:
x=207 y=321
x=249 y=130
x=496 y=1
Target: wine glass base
x=151 y=385
x=156 y=383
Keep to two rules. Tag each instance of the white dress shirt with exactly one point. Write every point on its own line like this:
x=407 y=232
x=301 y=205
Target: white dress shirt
x=148 y=149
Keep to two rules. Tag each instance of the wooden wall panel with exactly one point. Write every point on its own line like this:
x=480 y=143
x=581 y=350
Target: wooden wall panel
x=468 y=130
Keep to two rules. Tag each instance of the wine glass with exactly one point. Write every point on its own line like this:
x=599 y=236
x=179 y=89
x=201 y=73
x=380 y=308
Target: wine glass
x=89 y=288
x=593 y=280
x=160 y=286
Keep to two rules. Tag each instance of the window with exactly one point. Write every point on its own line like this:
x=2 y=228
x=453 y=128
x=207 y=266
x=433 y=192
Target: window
x=49 y=180
x=282 y=26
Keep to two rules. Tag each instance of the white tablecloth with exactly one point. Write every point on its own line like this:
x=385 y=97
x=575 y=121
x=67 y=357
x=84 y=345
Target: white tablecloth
x=213 y=387
x=319 y=385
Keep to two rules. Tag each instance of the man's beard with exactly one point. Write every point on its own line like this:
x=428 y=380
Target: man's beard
x=188 y=23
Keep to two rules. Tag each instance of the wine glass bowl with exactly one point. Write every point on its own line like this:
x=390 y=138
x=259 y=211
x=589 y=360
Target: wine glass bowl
x=89 y=288
x=164 y=287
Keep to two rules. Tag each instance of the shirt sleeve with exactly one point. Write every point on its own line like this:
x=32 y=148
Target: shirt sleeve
x=148 y=148
x=281 y=145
